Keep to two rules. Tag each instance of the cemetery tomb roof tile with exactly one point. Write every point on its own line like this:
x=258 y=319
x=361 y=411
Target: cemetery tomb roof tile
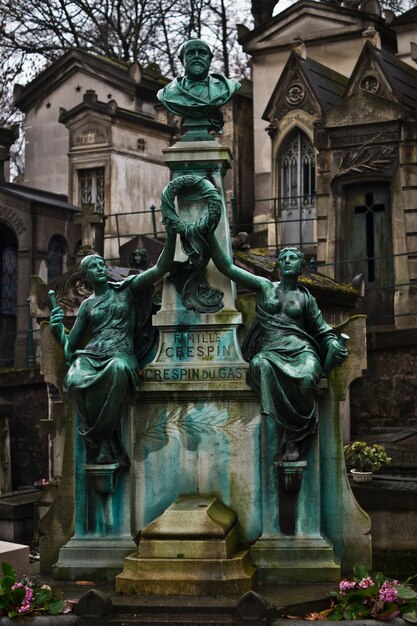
x=327 y=84
x=401 y=76
x=58 y=201
x=406 y=18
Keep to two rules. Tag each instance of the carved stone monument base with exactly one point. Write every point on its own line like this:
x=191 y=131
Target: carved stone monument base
x=89 y=558
x=294 y=559
x=189 y=550
x=103 y=533
x=197 y=441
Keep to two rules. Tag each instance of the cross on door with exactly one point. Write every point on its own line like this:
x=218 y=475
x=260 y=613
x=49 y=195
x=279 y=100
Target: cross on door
x=369 y=208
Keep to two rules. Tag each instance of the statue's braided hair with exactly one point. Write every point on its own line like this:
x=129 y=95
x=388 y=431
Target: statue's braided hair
x=85 y=264
x=296 y=251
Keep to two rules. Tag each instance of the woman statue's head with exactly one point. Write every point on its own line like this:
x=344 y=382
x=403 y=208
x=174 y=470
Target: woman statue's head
x=93 y=269
x=291 y=260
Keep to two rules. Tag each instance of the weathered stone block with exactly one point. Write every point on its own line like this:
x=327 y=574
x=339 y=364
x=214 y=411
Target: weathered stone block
x=16 y=555
x=187 y=577
x=17 y=515
x=197 y=569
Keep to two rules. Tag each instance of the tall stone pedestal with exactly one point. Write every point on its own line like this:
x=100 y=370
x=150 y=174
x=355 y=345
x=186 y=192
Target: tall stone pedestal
x=103 y=535
x=329 y=532
x=191 y=549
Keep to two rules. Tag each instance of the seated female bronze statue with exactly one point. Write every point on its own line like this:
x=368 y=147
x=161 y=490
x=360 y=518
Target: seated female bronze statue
x=286 y=348
x=102 y=376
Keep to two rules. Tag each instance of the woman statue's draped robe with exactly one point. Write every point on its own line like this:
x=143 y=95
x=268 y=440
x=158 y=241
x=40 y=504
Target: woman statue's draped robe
x=286 y=349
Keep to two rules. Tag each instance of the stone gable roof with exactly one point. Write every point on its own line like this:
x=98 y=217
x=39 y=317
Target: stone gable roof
x=328 y=85
x=407 y=18
x=402 y=77
x=121 y=75
x=313 y=21
x=324 y=84
x=398 y=75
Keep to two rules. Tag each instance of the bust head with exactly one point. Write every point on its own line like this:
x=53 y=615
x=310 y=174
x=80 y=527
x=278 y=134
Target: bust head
x=196 y=56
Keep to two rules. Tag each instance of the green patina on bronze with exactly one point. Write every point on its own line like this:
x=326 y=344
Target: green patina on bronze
x=198 y=95
x=189 y=276
x=287 y=348
x=102 y=376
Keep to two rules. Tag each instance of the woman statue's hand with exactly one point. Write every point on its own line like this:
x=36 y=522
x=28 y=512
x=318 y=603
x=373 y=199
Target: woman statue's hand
x=58 y=330
x=339 y=352
x=336 y=353
x=56 y=320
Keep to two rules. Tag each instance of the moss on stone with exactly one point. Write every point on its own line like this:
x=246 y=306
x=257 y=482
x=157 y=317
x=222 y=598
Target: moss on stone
x=308 y=278
x=328 y=284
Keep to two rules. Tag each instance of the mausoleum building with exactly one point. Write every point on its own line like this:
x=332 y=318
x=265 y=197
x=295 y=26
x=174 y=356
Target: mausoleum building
x=335 y=111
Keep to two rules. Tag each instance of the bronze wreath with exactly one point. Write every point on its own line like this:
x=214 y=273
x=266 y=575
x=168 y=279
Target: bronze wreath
x=189 y=277
x=191 y=187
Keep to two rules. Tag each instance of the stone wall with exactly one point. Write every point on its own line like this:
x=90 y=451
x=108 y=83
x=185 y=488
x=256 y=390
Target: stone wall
x=391 y=505
x=386 y=396
x=26 y=392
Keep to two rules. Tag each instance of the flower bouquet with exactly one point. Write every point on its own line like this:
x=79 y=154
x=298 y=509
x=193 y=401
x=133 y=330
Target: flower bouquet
x=25 y=598
x=376 y=597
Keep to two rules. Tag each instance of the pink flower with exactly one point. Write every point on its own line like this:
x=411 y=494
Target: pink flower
x=25 y=606
x=42 y=482
x=346 y=585
x=366 y=582
x=389 y=591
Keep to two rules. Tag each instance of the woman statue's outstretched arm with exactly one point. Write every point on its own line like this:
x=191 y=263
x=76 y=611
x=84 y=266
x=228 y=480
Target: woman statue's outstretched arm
x=163 y=264
x=263 y=287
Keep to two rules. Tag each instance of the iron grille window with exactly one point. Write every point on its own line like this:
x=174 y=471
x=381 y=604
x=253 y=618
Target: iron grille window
x=9 y=281
x=55 y=259
x=91 y=186
x=298 y=182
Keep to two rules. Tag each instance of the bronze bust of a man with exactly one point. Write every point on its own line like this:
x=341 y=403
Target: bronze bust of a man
x=198 y=95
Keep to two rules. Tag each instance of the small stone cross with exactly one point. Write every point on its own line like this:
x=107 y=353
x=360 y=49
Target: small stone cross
x=92 y=227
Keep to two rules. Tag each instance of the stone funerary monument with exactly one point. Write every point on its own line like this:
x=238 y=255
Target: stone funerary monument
x=224 y=468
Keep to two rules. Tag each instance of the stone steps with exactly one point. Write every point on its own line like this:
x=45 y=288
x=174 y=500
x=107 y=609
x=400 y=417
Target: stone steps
x=96 y=608
x=164 y=619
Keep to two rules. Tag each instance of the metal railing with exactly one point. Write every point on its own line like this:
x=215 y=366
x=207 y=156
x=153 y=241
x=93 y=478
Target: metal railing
x=262 y=233
x=119 y=234
x=273 y=206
